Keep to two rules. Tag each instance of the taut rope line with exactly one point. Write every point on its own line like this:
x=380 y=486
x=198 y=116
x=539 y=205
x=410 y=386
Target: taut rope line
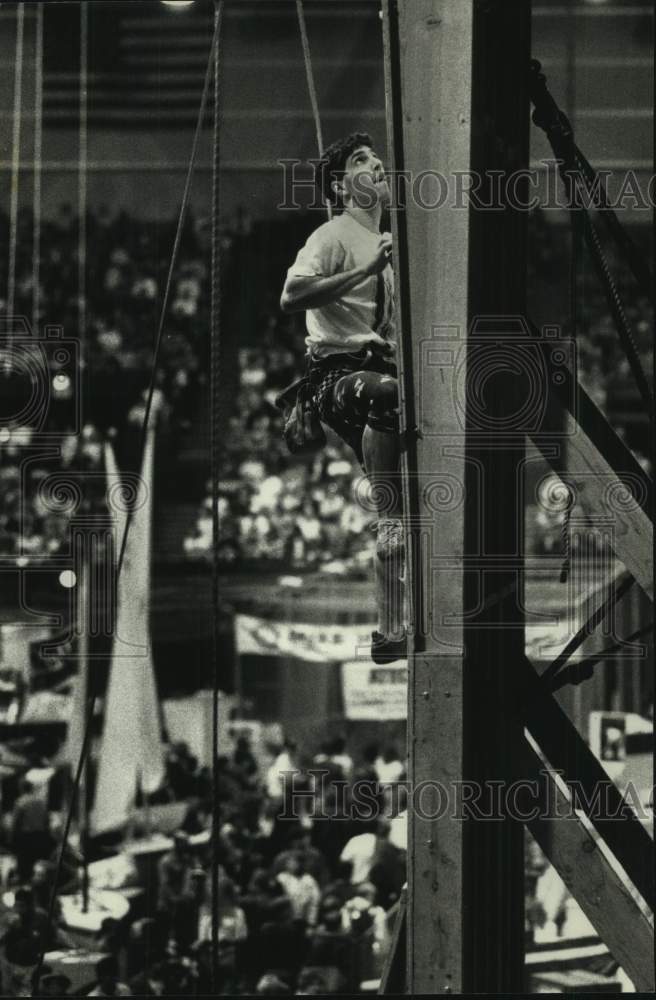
x=38 y=148
x=15 y=172
x=309 y=73
x=215 y=363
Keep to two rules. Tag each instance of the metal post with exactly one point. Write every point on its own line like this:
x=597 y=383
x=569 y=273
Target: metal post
x=457 y=103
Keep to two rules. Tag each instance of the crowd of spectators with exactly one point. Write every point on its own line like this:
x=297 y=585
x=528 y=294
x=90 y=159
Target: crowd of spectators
x=40 y=498
x=313 y=861
x=272 y=509
x=310 y=867
x=277 y=510
x=304 y=887
x=114 y=326
x=161 y=946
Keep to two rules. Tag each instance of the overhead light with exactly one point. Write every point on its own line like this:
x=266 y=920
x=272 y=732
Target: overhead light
x=177 y=3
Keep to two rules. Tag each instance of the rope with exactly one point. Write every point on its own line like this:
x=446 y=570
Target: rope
x=634 y=256
x=307 y=59
x=215 y=372
x=410 y=432
x=38 y=146
x=587 y=628
x=130 y=512
x=82 y=338
x=82 y=176
x=174 y=256
x=15 y=171
x=573 y=293
x=575 y=231
x=558 y=129
x=574 y=673
x=567 y=545
x=617 y=309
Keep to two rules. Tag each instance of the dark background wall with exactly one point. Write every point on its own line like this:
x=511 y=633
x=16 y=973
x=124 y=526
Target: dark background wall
x=146 y=67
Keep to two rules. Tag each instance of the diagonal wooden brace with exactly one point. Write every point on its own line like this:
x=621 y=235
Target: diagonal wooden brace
x=579 y=858
x=568 y=753
x=605 y=476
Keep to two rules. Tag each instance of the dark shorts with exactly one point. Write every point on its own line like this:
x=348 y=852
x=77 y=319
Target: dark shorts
x=355 y=391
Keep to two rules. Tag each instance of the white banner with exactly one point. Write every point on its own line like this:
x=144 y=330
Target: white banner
x=132 y=751
x=316 y=643
x=341 y=643
x=375 y=692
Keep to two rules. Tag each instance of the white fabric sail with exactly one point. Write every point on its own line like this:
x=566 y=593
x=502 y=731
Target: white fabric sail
x=132 y=753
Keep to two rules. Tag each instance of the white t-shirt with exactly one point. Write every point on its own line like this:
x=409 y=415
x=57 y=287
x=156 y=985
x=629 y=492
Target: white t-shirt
x=360 y=851
x=388 y=770
x=276 y=775
x=365 y=314
x=304 y=895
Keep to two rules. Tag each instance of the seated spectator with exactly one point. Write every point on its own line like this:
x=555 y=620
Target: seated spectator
x=43 y=883
x=30 y=829
x=177 y=978
x=27 y=931
x=312 y=982
x=147 y=943
x=311 y=859
x=388 y=766
x=54 y=984
x=271 y=985
x=232 y=924
x=302 y=890
x=360 y=912
x=202 y=954
x=359 y=853
x=107 y=981
x=279 y=774
x=265 y=901
x=330 y=944
x=110 y=938
x=26 y=934
x=149 y=982
x=173 y=872
x=198 y=817
x=337 y=755
x=243 y=757
x=193 y=922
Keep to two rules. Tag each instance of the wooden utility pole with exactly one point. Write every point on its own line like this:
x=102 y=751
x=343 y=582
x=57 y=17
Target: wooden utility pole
x=457 y=106
x=477 y=379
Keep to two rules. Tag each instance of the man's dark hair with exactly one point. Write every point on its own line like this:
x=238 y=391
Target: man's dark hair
x=331 y=166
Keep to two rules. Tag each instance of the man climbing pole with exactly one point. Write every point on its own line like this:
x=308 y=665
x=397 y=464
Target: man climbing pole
x=343 y=279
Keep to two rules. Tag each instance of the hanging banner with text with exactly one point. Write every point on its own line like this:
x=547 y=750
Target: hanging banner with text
x=377 y=693
x=316 y=643
x=369 y=691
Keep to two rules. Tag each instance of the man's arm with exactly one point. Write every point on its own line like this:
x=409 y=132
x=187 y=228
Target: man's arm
x=313 y=292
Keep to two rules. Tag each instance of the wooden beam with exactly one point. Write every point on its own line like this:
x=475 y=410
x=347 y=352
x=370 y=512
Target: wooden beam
x=428 y=67
x=568 y=753
x=453 y=105
x=578 y=857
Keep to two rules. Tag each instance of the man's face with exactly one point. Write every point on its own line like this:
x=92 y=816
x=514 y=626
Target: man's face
x=364 y=181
